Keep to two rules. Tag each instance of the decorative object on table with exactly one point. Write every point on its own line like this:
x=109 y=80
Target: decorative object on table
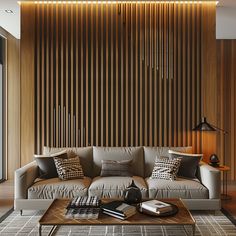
x=118 y=209
x=91 y=201
x=132 y=194
x=82 y=213
x=214 y=160
x=83 y=208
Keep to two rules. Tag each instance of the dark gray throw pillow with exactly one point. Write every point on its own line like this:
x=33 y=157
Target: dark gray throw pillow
x=116 y=168
x=189 y=163
x=47 y=168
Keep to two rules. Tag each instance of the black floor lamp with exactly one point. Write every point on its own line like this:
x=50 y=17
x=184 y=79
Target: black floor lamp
x=205 y=126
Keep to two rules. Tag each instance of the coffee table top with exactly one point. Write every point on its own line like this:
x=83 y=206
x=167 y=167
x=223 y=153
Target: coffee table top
x=55 y=215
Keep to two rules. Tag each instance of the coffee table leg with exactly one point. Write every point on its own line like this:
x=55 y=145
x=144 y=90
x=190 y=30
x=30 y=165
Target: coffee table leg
x=40 y=230
x=193 y=229
x=52 y=230
x=192 y=232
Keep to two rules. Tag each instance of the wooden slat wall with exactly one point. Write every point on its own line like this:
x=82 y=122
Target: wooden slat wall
x=118 y=74
x=27 y=87
x=12 y=104
x=226 y=74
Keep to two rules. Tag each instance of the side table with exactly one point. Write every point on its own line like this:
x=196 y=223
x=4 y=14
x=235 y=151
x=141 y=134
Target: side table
x=224 y=170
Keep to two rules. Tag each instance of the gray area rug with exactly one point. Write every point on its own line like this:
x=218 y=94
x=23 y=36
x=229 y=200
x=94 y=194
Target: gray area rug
x=208 y=223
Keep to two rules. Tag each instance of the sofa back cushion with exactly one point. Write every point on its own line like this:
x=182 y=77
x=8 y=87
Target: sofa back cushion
x=85 y=155
x=150 y=154
x=118 y=154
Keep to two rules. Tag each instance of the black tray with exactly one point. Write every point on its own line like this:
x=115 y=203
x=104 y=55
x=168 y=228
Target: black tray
x=174 y=211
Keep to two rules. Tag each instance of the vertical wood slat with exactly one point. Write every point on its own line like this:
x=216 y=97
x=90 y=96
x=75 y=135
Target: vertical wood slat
x=72 y=47
x=42 y=78
x=57 y=79
x=87 y=76
x=165 y=82
x=38 y=109
x=51 y=63
x=107 y=75
x=102 y=75
x=77 y=105
x=48 y=79
x=226 y=72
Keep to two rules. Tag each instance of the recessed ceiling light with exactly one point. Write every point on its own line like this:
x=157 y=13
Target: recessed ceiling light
x=8 y=11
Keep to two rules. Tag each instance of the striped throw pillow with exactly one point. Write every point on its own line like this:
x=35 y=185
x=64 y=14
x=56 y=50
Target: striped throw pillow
x=69 y=168
x=116 y=168
x=165 y=168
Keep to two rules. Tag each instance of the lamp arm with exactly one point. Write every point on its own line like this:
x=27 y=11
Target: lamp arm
x=219 y=129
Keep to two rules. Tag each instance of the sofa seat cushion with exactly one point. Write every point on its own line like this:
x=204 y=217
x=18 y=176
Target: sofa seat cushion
x=56 y=188
x=113 y=186
x=179 y=188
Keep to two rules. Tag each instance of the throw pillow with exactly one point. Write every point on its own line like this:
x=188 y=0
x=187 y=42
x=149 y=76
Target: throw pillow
x=47 y=168
x=189 y=163
x=165 y=168
x=69 y=168
x=116 y=168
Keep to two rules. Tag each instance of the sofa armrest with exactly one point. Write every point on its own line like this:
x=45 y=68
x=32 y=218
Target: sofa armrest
x=24 y=178
x=210 y=178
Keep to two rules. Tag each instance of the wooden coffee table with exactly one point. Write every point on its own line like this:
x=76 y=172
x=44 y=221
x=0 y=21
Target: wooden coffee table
x=55 y=216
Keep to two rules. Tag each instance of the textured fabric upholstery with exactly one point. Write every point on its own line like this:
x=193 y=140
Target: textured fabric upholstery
x=150 y=154
x=56 y=188
x=180 y=188
x=24 y=178
x=113 y=186
x=210 y=177
x=85 y=154
x=119 y=153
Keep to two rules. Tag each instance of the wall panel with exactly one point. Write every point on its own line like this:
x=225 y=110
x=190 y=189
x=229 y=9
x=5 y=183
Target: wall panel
x=119 y=74
x=226 y=75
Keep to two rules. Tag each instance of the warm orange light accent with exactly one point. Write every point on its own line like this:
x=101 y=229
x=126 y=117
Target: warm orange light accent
x=116 y=2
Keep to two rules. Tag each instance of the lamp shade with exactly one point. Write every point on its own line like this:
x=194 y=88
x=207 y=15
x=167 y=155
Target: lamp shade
x=204 y=126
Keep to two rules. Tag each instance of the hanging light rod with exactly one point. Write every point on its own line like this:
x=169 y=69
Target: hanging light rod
x=115 y=2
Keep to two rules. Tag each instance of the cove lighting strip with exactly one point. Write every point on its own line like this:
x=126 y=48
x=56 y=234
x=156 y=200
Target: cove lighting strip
x=115 y=2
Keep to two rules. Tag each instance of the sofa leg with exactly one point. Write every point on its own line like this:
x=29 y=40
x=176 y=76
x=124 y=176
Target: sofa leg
x=21 y=212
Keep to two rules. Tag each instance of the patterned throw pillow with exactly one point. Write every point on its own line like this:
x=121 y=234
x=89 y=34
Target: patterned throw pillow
x=69 y=168
x=116 y=168
x=165 y=168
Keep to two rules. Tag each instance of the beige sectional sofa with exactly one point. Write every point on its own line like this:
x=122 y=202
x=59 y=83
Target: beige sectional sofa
x=202 y=192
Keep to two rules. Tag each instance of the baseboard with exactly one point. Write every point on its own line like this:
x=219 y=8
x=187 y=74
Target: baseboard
x=2 y=218
x=229 y=216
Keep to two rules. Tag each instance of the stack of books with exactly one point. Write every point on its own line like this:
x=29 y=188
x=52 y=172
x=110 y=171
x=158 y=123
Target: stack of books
x=83 y=208
x=155 y=206
x=118 y=209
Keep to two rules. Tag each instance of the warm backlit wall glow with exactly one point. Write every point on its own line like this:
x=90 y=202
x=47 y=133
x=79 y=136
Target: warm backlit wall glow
x=117 y=2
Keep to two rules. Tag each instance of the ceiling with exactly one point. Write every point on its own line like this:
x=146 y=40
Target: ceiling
x=11 y=21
